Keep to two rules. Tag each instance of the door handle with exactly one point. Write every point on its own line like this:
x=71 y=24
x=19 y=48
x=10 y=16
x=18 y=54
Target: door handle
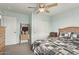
x=14 y=32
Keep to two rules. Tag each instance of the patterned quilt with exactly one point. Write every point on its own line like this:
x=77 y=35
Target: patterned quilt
x=54 y=47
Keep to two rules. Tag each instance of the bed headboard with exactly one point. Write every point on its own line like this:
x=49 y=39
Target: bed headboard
x=69 y=29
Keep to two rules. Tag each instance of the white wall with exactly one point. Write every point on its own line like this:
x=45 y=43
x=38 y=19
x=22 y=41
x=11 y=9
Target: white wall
x=67 y=19
x=40 y=26
x=21 y=18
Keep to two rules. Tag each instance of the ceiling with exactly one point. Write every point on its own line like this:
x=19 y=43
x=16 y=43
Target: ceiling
x=17 y=7
x=62 y=7
x=22 y=7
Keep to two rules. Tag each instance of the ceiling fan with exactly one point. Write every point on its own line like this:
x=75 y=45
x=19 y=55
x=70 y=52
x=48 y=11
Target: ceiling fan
x=43 y=7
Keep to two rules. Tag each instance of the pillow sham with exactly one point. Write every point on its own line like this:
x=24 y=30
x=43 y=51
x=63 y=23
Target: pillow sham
x=75 y=35
x=65 y=34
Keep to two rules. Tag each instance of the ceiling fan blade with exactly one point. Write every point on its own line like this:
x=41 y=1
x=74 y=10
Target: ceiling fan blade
x=47 y=11
x=31 y=7
x=38 y=12
x=39 y=5
x=51 y=5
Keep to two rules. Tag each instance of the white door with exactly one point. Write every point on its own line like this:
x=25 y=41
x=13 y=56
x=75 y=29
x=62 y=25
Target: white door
x=10 y=33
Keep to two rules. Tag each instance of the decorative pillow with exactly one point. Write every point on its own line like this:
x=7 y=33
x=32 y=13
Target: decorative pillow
x=78 y=35
x=74 y=35
x=62 y=34
x=65 y=35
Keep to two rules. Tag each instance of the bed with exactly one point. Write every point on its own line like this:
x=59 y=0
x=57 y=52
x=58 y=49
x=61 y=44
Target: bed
x=67 y=43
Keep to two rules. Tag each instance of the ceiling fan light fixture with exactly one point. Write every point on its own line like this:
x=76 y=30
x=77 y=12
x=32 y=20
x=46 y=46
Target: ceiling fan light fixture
x=41 y=9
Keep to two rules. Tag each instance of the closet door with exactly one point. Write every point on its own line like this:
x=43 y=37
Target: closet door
x=10 y=24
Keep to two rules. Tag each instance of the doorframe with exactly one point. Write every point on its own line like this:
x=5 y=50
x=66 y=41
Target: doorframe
x=29 y=31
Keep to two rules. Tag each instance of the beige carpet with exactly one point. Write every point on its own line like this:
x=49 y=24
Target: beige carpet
x=22 y=49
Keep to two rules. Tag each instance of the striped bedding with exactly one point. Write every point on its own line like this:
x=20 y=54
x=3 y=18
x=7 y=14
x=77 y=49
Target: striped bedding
x=55 y=46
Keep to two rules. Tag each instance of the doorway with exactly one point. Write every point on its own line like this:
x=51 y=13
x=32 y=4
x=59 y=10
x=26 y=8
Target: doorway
x=24 y=33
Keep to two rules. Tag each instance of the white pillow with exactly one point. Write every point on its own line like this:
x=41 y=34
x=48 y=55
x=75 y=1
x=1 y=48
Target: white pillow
x=74 y=36
x=66 y=35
